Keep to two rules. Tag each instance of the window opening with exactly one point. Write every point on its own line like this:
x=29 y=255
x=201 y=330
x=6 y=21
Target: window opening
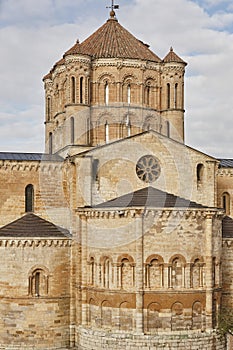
x=106 y=93
x=81 y=90
x=168 y=96
x=73 y=89
x=29 y=198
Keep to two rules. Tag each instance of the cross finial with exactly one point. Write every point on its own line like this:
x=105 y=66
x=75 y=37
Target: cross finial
x=113 y=7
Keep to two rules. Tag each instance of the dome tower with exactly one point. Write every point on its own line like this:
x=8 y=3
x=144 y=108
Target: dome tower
x=109 y=87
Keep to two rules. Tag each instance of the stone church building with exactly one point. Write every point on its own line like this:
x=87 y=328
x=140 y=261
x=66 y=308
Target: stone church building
x=119 y=236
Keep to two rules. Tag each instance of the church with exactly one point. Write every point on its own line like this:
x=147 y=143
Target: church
x=119 y=236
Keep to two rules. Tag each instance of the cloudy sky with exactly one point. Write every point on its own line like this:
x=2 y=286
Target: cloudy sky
x=35 y=34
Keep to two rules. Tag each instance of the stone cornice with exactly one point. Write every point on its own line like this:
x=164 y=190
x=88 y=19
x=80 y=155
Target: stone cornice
x=115 y=213
x=25 y=165
x=225 y=172
x=105 y=62
x=227 y=242
x=34 y=242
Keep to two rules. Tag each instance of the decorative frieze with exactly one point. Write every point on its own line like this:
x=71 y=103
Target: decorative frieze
x=33 y=243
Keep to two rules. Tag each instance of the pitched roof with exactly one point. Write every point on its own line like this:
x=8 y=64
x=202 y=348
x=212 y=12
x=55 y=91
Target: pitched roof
x=31 y=225
x=112 y=40
x=226 y=163
x=149 y=197
x=173 y=57
x=227 y=227
x=30 y=156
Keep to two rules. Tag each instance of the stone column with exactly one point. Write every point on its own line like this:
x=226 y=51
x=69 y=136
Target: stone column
x=84 y=269
x=139 y=329
x=209 y=271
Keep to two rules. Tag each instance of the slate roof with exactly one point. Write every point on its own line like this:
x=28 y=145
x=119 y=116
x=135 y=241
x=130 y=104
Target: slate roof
x=32 y=226
x=149 y=197
x=173 y=57
x=226 y=163
x=227 y=227
x=30 y=156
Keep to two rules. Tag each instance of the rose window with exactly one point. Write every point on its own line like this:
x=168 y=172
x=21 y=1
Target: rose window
x=148 y=168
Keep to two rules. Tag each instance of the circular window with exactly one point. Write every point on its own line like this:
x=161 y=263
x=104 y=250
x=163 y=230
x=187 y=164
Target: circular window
x=148 y=168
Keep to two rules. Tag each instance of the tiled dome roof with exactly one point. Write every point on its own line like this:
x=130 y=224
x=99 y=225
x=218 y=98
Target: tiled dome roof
x=173 y=57
x=113 y=41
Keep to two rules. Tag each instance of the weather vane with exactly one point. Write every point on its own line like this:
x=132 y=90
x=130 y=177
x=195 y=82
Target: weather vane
x=113 y=6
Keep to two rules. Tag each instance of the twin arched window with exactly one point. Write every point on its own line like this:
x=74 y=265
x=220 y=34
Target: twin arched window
x=38 y=282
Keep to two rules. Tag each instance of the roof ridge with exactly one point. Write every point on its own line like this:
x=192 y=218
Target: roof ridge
x=150 y=197
x=32 y=225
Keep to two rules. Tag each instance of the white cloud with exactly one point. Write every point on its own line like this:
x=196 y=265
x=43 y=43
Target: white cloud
x=34 y=35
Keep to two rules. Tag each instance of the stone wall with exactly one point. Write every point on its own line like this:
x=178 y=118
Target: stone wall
x=93 y=339
x=47 y=180
x=116 y=171
x=35 y=293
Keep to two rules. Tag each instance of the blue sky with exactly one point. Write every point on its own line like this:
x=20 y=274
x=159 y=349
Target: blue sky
x=35 y=34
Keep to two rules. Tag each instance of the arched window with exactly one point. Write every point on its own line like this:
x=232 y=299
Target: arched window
x=200 y=172
x=73 y=87
x=175 y=95
x=106 y=132
x=129 y=94
x=38 y=282
x=197 y=274
x=29 y=198
x=177 y=272
x=147 y=97
x=106 y=93
x=177 y=321
x=92 y=271
x=197 y=315
x=72 y=129
x=50 y=143
x=81 y=90
x=106 y=314
x=106 y=273
x=153 y=320
x=126 y=274
x=168 y=96
x=49 y=108
x=226 y=202
x=154 y=272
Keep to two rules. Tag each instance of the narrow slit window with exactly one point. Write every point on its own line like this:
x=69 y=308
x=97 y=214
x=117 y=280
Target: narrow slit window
x=106 y=132
x=175 y=95
x=49 y=108
x=50 y=143
x=226 y=202
x=168 y=96
x=106 y=93
x=81 y=90
x=72 y=129
x=73 y=95
x=129 y=94
x=29 y=198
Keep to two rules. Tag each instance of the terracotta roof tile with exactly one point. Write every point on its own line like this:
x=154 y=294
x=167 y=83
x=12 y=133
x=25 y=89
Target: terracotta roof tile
x=31 y=225
x=149 y=197
x=113 y=41
x=173 y=57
